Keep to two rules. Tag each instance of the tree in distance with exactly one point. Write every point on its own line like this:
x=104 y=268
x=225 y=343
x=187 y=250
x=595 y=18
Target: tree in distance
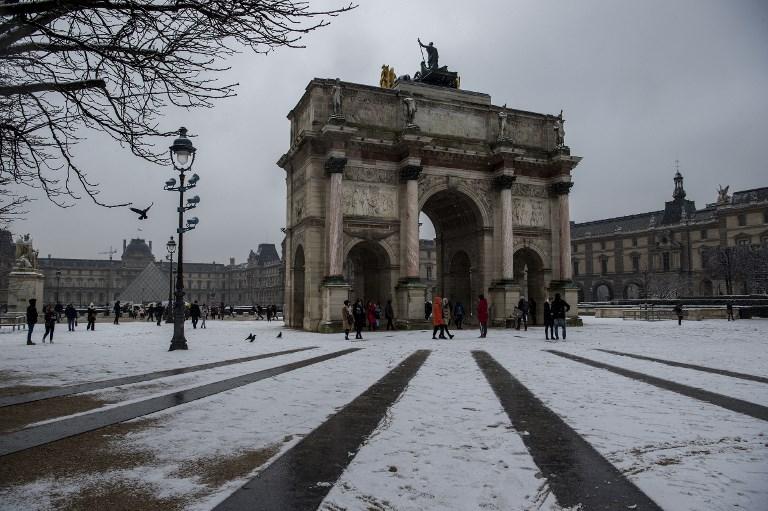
x=68 y=66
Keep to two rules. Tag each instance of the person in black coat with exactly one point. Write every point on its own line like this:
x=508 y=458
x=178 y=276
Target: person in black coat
x=532 y=310
x=559 y=308
x=679 y=312
x=159 y=309
x=194 y=313
x=389 y=314
x=117 y=311
x=71 y=315
x=31 y=319
x=548 y=321
x=523 y=306
x=358 y=313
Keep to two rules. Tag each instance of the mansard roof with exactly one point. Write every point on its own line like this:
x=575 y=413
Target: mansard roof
x=747 y=196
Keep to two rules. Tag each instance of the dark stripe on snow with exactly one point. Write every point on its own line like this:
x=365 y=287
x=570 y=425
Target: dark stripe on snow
x=575 y=471
x=103 y=384
x=302 y=477
x=723 y=372
x=729 y=403
x=50 y=432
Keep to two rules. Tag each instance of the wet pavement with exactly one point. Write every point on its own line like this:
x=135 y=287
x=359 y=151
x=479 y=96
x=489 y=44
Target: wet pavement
x=302 y=477
x=732 y=374
x=103 y=384
x=575 y=471
x=729 y=403
x=53 y=431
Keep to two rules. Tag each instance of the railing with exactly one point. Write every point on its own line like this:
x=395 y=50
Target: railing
x=13 y=320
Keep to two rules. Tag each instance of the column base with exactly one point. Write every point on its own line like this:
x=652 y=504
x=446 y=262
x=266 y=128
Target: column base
x=409 y=310
x=333 y=291
x=504 y=295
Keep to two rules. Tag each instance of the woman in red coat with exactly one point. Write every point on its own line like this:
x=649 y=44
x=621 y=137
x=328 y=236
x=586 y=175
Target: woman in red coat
x=437 y=317
x=371 y=309
x=482 y=315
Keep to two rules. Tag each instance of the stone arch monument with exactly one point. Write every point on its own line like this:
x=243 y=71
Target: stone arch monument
x=364 y=162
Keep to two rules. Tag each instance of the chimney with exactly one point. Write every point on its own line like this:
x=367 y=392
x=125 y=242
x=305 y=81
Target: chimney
x=150 y=245
x=125 y=243
x=231 y=261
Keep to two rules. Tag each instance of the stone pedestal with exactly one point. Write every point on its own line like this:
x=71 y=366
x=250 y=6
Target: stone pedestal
x=23 y=285
x=504 y=297
x=333 y=292
x=410 y=305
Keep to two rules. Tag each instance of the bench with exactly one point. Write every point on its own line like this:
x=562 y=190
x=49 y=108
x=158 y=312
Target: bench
x=14 y=321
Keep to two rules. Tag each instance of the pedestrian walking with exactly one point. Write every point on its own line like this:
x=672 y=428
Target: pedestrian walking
x=437 y=318
x=532 y=311
x=194 y=313
x=159 y=309
x=116 y=310
x=91 y=317
x=482 y=315
x=548 y=320
x=458 y=315
x=729 y=310
x=151 y=312
x=371 y=312
x=427 y=309
x=31 y=319
x=559 y=308
x=358 y=313
x=203 y=315
x=522 y=317
x=447 y=316
x=71 y=314
x=679 y=312
x=389 y=314
x=50 y=322
x=346 y=319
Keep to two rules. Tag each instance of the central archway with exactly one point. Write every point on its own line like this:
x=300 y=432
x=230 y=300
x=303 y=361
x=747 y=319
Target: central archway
x=368 y=272
x=458 y=229
x=529 y=275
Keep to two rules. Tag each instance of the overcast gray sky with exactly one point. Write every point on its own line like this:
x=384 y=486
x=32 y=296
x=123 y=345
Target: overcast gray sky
x=641 y=84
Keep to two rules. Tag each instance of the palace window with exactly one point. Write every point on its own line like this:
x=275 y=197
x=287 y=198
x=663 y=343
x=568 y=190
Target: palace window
x=575 y=268
x=635 y=263
x=634 y=242
x=604 y=265
x=746 y=240
x=429 y=272
x=704 y=234
x=602 y=245
x=665 y=261
x=575 y=248
x=742 y=218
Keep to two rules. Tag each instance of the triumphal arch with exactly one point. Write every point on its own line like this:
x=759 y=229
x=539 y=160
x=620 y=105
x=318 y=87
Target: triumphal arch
x=364 y=162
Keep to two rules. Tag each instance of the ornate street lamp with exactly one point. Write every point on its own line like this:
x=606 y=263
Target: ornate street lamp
x=171 y=248
x=182 y=158
x=58 y=282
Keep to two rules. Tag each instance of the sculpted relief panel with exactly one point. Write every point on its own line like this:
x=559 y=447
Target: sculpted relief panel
x=370 y=175
x=370 y=200
x=529 y=212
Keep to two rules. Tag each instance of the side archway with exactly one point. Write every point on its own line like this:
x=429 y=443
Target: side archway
x=367 y=268
x=633 y=291
x=297 y=309
x=602 y=292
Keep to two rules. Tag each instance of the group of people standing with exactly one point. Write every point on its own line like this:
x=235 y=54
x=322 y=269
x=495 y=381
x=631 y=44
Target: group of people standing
x=358 y=315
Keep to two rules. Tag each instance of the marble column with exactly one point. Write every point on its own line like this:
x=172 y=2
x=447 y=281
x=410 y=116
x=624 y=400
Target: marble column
x=561 y=190
x=410 y=223
x=507 y=233
x=335 y=168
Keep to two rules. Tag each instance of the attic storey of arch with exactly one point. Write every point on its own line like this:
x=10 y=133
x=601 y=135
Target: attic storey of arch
x=68 y=66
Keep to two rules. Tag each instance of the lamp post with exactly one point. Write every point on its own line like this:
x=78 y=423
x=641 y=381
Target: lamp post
x=171 y=248
x=182 y=158
x=58 y=281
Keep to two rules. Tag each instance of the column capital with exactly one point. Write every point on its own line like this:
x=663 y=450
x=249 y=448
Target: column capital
x=410 y=172
x=561 y=188
x=335 y=165
x=504 y=181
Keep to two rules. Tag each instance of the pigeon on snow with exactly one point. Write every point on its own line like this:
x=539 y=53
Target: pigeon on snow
x=250 y=337
x=279 y=335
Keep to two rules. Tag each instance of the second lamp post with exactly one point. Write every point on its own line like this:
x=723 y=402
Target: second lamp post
x=182 y=158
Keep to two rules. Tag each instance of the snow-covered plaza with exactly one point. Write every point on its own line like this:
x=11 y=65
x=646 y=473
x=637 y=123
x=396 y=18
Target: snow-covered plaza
x=448 y=439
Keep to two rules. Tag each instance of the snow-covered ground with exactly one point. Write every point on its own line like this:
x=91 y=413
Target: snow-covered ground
x=446 y=443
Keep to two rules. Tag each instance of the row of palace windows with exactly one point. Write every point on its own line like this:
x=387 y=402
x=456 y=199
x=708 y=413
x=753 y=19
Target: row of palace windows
x=665 y=264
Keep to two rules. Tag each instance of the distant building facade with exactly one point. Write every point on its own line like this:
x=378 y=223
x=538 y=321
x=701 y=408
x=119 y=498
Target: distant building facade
x=138 y=277
x=669 y=253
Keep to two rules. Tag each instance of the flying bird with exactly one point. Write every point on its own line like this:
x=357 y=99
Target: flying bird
x=142 y=212
x=250 y=337
x=279 y=335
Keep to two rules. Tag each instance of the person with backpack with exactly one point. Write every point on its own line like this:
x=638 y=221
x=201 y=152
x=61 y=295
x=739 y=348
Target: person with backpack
x=559 y=308
x=458 y=315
